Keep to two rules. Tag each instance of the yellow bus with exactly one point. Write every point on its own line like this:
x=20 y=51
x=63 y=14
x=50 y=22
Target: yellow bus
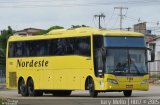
x=77 y=59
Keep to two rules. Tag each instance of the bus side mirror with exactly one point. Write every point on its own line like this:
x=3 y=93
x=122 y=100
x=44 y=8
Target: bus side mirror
x=151 y=55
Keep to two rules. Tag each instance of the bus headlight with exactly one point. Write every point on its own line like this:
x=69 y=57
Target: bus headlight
x=144 y=81
x=113 y=81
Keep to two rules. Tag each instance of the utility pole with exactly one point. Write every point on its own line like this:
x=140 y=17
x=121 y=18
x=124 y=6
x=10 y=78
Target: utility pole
x=121 y=14
x=100 y=16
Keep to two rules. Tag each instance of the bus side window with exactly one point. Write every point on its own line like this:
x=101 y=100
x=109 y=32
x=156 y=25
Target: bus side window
x=98 y=54
x=97 y=41
x=32 y=48
x=51 y=46
x=73 y=46
x=61 y=47
x=11 y=50
x=54 y=47
x=44 y=48
x=41 y=48
x=69 y=46
x=85 y=46
x=76 y=46
x=26 y=49
x=19 y=49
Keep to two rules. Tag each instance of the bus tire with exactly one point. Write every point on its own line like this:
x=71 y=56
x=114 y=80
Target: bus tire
x=23 y=88
x=31 y=90
x=127 y=93
x=92 y=91
x=62 y=93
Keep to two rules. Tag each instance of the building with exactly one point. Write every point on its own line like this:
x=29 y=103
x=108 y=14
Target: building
x=153 y=42
x=154 y=67
x=28 y=31
x=149 y=38
x=140 y=27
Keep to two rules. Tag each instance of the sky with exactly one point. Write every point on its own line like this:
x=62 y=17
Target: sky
x=20 y=14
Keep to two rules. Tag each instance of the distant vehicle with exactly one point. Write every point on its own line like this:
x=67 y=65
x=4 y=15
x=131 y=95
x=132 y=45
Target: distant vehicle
x=77 y=59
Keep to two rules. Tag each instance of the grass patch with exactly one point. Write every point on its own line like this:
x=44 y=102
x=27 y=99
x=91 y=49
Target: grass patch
x=155 y=76
x=0 y=101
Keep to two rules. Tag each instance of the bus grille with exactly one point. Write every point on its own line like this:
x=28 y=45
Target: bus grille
x=12 y=79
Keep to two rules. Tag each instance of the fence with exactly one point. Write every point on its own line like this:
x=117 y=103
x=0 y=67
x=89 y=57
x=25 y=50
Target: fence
x=154 y=71
x=2 y=69
x=2 y=75
x=154 y=77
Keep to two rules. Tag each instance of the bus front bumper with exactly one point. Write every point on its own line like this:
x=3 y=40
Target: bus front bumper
x=127 y=86
x=106 y=86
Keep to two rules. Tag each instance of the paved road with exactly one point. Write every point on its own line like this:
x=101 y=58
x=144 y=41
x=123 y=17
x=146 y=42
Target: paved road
x=82 y=98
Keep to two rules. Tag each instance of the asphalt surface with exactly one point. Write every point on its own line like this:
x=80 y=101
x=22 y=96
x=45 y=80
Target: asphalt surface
x=82 y=98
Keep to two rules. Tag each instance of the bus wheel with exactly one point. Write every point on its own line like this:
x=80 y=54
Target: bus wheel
x=31 y=90
x=23 y=88
x=62 y=93
x=127 y=93
x=92 y=91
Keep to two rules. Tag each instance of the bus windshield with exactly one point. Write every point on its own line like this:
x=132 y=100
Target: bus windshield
x=123 y=61
x=123 y=55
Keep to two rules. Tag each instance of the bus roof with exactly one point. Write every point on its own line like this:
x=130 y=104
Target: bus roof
x=73 y=32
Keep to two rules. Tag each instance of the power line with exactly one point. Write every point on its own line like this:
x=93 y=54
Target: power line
x=110 y=18
x=121 y=14
x=34 y=3
x=94 y=21
x=115 y=22
x=31 y=1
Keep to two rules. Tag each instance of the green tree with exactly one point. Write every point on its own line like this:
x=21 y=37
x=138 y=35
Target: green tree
x=2 y=52
x=48 y=30
x=78 y=26
x=55 y=27
x=4 y=38
x=6 y=33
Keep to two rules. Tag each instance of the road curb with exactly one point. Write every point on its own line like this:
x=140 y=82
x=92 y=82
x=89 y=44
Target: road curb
x=2 y=86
